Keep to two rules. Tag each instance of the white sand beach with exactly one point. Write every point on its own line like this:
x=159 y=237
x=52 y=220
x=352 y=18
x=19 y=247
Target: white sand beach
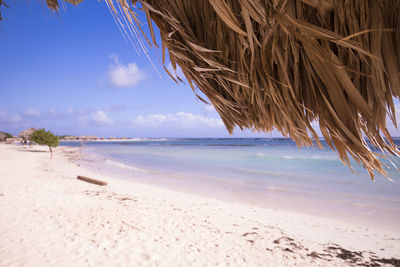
x=49 y=218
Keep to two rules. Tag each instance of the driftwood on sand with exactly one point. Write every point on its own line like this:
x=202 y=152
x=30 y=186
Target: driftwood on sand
x=91 y=180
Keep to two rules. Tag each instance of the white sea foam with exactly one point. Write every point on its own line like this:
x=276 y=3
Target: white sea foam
x=309 y=157
x=265 y=172
x=320 y=157
x=294 y=157
x=123 y=166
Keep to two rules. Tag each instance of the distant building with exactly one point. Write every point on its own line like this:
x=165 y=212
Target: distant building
x=84 y=137
x=70 y=138
x=93 y=138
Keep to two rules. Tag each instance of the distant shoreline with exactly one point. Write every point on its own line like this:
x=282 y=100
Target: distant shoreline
x=194 y=138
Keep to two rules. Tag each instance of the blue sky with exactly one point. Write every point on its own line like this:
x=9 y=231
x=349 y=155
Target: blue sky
x=74 y=73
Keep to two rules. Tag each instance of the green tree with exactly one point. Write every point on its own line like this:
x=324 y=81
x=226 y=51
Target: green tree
x=43 y=137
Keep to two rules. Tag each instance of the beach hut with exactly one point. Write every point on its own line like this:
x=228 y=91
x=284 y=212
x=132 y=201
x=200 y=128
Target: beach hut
x=84 y=138
x=25 y=135
x=93 y=138
x=70 y=138
x=300 y=66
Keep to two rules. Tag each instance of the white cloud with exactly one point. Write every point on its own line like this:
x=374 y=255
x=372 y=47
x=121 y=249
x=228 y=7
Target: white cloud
x=120 y=75
x=6 y=118
x=179 y=120
x=101 y=118
x=52 y=113
x=31 y=113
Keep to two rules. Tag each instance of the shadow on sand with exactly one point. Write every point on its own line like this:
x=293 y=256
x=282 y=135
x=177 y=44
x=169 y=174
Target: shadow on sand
x=33 y=150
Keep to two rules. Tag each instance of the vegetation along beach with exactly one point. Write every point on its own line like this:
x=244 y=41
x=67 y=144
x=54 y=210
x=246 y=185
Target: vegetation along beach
x=199 y=133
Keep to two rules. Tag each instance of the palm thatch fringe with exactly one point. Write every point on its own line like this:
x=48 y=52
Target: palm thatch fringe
x=2 y=3
x=285 y=64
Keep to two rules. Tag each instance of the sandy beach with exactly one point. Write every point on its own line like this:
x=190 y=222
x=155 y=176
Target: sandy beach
x=50 y=218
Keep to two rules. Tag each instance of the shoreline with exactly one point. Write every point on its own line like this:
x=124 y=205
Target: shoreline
x=51 y=218
x=355 y=208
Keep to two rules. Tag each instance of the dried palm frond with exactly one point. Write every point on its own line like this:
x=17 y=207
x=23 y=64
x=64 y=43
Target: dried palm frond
x=52 y=4
x=285 y=64
x=74 y=2
x=2 y=3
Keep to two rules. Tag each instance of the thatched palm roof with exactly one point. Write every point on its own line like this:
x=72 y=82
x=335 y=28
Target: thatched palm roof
x=286 y=64
x=26 y=134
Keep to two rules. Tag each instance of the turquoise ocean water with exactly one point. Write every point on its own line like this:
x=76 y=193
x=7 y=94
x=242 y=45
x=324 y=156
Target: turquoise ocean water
x=271 y=173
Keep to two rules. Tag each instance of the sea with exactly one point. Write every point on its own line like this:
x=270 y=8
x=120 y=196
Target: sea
x=266 y=172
